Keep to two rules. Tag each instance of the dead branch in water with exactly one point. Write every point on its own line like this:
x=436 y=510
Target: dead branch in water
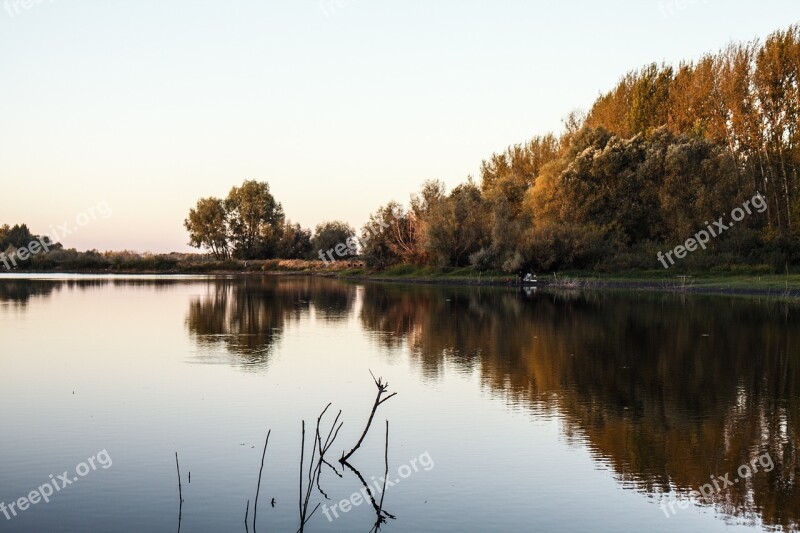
x=386 y=466
x=180 y=488
x=381 y=515
x=258 y=487
x=313 y=470
x=382 y=389
x=180 y=493
x=325 y=446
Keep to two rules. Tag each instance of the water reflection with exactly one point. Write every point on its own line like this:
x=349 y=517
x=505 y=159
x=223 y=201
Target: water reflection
x=668 y=392
x=664 y=390
x=247 y=315
x=18 y=292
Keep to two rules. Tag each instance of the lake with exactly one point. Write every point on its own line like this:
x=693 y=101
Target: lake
x=516 y=410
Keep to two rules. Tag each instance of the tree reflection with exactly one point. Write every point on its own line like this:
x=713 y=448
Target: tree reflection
x=247 y=315
x=18 y=292
x=667 y=391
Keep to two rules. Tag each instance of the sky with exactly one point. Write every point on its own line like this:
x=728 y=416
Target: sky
x=117 y=116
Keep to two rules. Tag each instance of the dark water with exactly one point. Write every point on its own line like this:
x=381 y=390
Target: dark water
x=515 y=411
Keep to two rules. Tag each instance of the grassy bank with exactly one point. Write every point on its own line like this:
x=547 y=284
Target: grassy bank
x=169 y=264
x=746 y=282
x=754 y=283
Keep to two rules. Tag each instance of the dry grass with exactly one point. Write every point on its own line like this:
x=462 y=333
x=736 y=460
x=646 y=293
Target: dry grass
x=302 y=265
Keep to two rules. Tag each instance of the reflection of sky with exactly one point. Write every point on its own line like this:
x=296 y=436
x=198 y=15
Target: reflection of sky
x=142 y=392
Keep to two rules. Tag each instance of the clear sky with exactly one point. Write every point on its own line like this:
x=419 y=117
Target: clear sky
x=343 y=105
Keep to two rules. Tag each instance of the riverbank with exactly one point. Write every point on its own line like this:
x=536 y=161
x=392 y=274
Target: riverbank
x=751 y=283
x=774 y=286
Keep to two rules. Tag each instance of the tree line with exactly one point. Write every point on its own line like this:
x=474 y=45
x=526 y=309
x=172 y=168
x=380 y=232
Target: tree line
x=654 y=159
x=250 y=224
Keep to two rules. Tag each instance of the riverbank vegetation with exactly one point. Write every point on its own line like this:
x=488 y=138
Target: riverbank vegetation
x=656 y=159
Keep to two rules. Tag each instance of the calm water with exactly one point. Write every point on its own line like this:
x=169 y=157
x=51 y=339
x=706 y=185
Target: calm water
x=518 y=411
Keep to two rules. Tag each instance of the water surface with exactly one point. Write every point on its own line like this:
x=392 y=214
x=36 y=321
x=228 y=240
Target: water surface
x=520 y=411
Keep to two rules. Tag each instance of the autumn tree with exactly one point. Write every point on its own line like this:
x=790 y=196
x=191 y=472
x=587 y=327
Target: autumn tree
x=208 y=227
x=295 y=242
x=334 y=241
x=389 y=237
x=456 y=227
x=255 y=220
x=248 y=224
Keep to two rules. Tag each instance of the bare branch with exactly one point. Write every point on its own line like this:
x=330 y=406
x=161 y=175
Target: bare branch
x=382 y=387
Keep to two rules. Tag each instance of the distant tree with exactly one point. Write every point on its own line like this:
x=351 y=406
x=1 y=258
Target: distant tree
x=699 y=180
x=255 y=220
x=295 y=242
x=19 y=236
x=456 y=227
x=208 y=227
x=15 y=237
x=505 y=180
x=410 y=227
x=388 y=237
x=649 y=99
x=335 y=237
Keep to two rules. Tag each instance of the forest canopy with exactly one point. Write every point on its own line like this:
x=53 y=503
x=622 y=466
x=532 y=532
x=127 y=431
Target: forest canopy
x=654 y=159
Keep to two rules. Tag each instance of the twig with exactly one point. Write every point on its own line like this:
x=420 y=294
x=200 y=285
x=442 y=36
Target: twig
x=386 y=463
x=302 y=455
x=180 y=493
x=382 y=514
x=258 y=488
x=332 y=468
x=382 y=388
x=313 y=470
x=323 y=448
x=180 y=488
x=319 y=487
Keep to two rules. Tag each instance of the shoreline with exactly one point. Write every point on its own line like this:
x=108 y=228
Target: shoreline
x=666 y=286
x=772 y=286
